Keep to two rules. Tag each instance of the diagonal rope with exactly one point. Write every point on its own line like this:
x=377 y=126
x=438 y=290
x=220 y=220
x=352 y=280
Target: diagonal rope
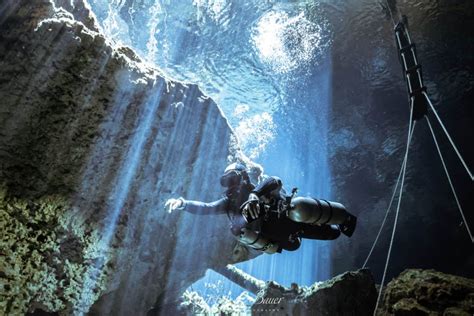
x=390 y=11
x=398 y=206
x=449 y=137
x=388 y=210
x=449 y=180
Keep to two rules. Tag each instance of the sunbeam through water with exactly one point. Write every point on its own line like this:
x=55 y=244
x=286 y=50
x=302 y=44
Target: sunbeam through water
x=279 y=70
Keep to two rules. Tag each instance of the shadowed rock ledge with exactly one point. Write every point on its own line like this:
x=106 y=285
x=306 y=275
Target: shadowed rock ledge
x=351 y=293
x=414 y=292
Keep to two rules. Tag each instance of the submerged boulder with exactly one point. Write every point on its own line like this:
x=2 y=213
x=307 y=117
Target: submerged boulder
x=351 y=293
x=428 y=292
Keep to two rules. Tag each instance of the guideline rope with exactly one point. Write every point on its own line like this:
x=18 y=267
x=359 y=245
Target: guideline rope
x=390 y=11
x=448 y=136
x=449 y=180
x=387 y=212
x=410 y=134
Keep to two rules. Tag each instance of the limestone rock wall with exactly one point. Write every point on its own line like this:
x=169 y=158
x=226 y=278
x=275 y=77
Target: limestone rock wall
x=92 y=142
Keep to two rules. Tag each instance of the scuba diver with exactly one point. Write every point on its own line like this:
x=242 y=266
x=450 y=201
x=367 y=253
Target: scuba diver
x=265 y=218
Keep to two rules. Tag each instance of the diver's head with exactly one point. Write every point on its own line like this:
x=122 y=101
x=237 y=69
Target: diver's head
x=234 y=175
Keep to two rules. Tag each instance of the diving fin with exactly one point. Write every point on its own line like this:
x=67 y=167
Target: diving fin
x=349 y=226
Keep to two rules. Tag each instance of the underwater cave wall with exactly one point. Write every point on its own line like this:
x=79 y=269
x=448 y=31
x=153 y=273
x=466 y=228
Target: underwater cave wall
x=92 y=143
x=369 y=131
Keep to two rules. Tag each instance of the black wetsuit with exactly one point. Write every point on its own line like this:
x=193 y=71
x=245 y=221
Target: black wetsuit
x=279 y=229
x=229 y=204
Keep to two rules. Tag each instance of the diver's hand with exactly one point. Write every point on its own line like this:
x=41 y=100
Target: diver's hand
x=252 y=208
x=174 y=204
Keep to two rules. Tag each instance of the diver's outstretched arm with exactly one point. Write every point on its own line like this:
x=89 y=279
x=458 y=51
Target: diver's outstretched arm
x=198 y=207
x=201 y=208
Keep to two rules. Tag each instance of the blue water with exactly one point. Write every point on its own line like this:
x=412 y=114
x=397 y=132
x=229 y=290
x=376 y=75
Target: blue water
x=265 y=63
x=298 y=155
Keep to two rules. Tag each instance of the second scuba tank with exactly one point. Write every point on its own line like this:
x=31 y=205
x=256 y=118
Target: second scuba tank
x=255 y=240
x=318 y=212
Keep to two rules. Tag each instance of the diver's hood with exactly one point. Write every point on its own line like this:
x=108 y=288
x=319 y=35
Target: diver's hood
x=233 y=175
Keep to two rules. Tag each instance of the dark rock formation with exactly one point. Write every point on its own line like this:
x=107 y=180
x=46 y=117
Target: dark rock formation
x=428 y=292
x=81 y=12
x=92 y=142
x=352 y=293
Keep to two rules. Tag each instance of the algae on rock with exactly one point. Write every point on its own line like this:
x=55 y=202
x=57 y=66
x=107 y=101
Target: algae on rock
x=428 y=292
x=36 y=271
